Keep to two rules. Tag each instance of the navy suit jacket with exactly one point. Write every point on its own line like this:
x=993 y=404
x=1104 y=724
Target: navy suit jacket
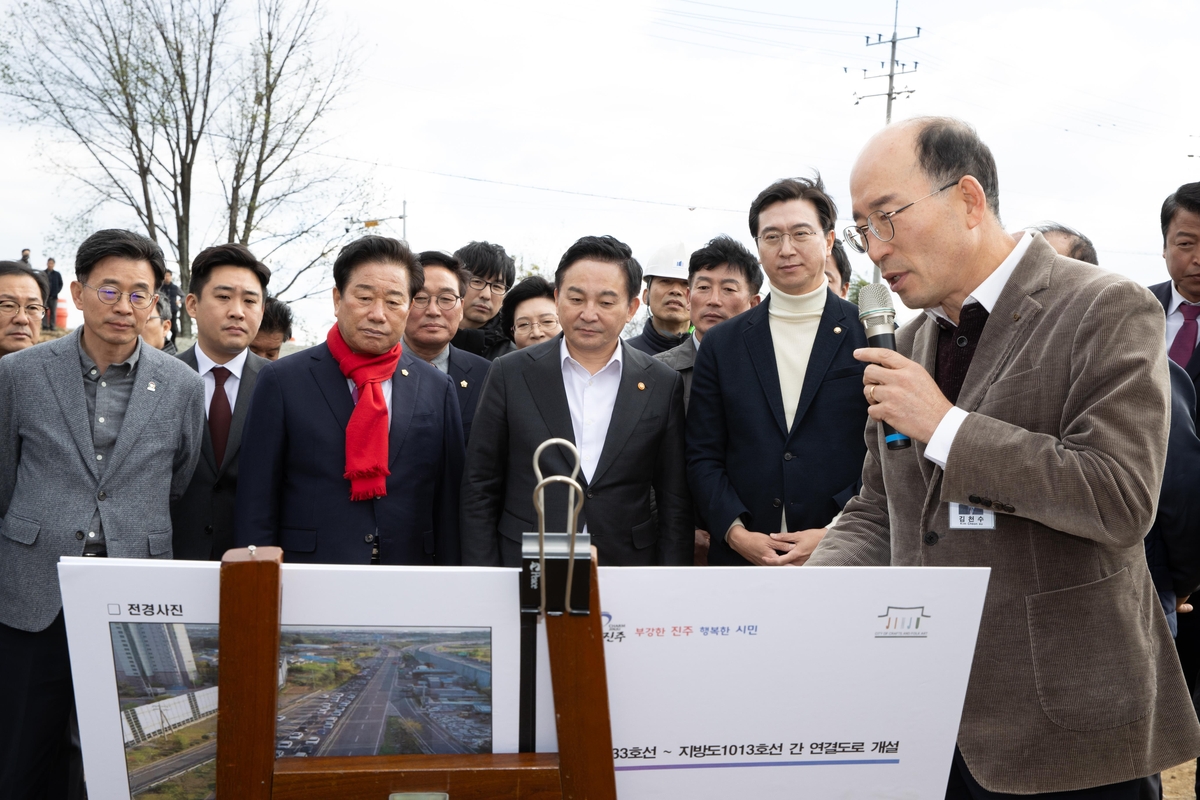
x=742 y=459
x=467 y=371
x=1163 y=292
x=291 y=492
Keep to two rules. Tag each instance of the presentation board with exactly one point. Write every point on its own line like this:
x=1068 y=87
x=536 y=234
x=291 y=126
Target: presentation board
x=722 y=682
x=373 y=661
x=781 y=683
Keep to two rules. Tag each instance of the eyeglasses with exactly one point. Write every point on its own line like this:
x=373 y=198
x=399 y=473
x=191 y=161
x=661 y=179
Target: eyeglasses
x=546 y=325
x=880 y=224
x=110 y=296
x=8 y=308
x=774 y=240
x=445 y=301
x=479 y=284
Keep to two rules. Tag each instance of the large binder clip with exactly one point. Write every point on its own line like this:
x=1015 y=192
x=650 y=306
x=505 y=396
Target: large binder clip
x=556 y=567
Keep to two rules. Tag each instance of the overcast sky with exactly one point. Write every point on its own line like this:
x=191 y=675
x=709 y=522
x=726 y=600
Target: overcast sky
x=694 y=107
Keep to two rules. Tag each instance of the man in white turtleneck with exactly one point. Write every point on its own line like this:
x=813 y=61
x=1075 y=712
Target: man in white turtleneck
x=775 y=423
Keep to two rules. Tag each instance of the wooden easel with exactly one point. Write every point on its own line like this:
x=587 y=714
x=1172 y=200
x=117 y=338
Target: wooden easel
x=248 y=770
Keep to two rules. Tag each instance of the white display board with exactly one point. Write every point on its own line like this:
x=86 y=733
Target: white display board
x=373 y=660
x=783 y=683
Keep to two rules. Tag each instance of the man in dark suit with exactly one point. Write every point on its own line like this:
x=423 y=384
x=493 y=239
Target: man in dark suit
x=352 y=451
x=98 y=432
x=723 y=281
x=1180 y=299
x=436 y=314
x=775 y=426
x=622 y=409
x=226 y=301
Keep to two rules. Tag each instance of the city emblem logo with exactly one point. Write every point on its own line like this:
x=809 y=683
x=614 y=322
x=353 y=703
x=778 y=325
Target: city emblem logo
x=903 y=622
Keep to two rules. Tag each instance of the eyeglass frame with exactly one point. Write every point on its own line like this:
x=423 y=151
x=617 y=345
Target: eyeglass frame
x=850 y=232
x=491 y=286
x=416 y=301
x=98 y=289
x=18 y=308
x=804 y=234
x=535 y=323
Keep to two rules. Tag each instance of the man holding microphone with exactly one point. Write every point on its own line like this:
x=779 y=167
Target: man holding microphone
x=1036 y=393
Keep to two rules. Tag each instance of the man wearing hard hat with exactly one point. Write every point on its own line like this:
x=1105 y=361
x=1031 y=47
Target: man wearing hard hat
x=665 y=296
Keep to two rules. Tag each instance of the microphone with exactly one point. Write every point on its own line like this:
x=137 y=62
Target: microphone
x=878 y=315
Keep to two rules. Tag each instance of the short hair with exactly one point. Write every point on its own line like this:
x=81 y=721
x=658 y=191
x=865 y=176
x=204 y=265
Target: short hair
x=527 y=289
x=725 y=249
x=949 y=149
x=225 y=255
x=843 y=262
x=1082 y=248
x=381 y=249
x=277 y=318
x=785 y=189
x=21 y=268
x=436 y=258
x=1186 y=197
x=607 y=249
x=124 y=244
x=163 y=308
x=488 y=261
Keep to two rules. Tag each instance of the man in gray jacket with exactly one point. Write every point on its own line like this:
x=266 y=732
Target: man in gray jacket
x=98 y=432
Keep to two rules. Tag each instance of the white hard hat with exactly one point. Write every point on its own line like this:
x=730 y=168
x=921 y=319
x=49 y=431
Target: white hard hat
x=668 y=262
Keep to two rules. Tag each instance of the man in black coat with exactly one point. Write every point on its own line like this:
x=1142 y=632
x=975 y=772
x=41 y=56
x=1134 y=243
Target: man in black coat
x=228 y=286
x=775 y=424
x=621 y=408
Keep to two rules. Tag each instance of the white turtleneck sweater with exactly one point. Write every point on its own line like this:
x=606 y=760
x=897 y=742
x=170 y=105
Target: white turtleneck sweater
x=794 y=321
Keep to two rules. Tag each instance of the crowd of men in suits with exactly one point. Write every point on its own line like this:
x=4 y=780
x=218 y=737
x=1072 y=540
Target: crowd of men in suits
x=1055 y=399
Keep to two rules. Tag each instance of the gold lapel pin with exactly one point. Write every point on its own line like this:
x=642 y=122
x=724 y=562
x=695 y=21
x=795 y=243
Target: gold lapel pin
x=404 y=372
x=641 y=387
x=463 y=384
x=838 y=329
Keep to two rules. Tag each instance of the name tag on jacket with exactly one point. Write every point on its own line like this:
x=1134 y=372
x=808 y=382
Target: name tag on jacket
x=964 y=516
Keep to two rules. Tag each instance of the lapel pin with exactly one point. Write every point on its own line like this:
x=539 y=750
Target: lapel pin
x=404 y=372
x=463 y=384
x=641 y=387
x=150 y=386
x=838 y=329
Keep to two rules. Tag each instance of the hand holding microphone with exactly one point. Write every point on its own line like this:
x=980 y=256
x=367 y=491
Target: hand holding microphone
x=903 y=397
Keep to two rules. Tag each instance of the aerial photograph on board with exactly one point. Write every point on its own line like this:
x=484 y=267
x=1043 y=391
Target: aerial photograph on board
x=384 y=691
x=342 y=692
x=167 y=688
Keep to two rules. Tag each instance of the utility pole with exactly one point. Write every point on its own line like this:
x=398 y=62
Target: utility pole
x=370 y=224
x=891 y=92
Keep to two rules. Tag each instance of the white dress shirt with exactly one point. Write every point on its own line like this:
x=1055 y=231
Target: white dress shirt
x=1174 y=318
x=987 y=295
x=591 y=399
x=204 y=365
x=387 y=396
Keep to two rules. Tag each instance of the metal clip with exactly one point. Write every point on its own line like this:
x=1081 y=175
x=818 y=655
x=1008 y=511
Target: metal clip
x=563 y=546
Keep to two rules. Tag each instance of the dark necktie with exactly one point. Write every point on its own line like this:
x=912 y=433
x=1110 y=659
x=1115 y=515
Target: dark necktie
x=1185 y=340
x=956 y=348
x=220 y=415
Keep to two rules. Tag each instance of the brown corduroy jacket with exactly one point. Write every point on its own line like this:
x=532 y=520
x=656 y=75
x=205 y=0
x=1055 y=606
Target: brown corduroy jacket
x=1075 y=682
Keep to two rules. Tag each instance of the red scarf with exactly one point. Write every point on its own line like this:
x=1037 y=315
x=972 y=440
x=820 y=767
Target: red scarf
x=367 y=433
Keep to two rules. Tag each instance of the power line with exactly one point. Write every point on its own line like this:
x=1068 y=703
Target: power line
x=785 y=16
x=532 y=187
x=891 y=92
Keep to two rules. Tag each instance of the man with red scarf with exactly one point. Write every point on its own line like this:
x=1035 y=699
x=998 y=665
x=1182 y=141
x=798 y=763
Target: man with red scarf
x=353 y=449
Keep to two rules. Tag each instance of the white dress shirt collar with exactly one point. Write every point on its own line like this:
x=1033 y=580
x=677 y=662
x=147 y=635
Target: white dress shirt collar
x=987 y=294
x=204 y=364
x=1177 y=300
x=564 y=355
